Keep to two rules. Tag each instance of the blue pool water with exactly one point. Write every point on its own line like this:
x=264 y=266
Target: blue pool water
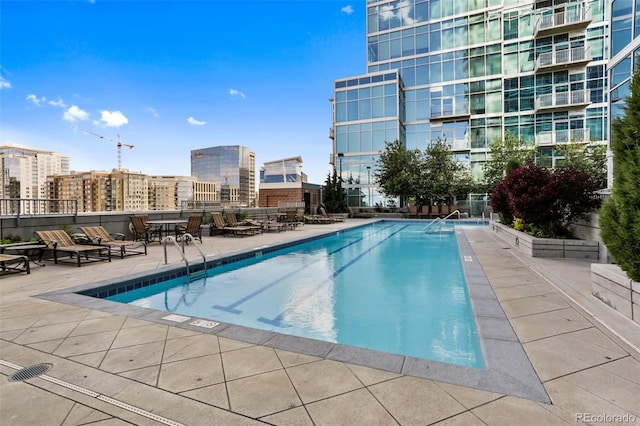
x=386 y=286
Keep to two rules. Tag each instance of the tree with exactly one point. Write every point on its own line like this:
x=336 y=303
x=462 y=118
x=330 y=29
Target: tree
x=397 y=171
x=620 y=214
x=442 y=178
x=334 y=196
x=504 y=156
x=590 y=158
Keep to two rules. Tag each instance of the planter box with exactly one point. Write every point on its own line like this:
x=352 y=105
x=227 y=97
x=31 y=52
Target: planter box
x=547 y=247
x=611 y=284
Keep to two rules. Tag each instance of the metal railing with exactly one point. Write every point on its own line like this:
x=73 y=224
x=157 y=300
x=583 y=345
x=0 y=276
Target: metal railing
x=191 y=276
x=553 y=137
x=37 y=206
x=439 y=221
x=563 y=99
x=561 y=17
x=563 y=57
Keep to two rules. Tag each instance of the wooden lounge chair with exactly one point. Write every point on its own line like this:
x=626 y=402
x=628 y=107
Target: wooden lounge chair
x=333 y=217
x=232 y=220
x=193 y=228
x=220 y=226
x=99 y=236
x=12 y=263
x=61 y=243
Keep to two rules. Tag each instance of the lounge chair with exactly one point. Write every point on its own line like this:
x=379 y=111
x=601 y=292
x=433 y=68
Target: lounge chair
x=224 y=229
x=99 y=236
x=232 y=220
x=334 y=217
x=193 y=228
x=61 y=243
x=292 y=219
x=12 y=263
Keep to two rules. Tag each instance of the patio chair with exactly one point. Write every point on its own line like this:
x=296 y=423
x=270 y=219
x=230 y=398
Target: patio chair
x=334 y=217
x=220 y=226
x=61 y=243
x=98 y=235
x=12 y=263
x=292 y=219
x=193 y=227
x=142 y=232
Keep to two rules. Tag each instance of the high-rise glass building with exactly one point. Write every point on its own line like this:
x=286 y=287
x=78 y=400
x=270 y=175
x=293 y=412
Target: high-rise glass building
x=232 y=168
x=469 y=71
x=625 y=54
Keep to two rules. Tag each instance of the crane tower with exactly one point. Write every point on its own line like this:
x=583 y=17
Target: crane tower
x=117 y=142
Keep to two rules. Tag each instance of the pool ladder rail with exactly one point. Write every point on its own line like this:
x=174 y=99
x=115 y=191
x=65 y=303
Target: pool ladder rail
x=439 y=222
x=192 y=276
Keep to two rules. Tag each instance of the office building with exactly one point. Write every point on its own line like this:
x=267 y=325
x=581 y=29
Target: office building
x=468 y=72
x=24 y=171
x=231 y=169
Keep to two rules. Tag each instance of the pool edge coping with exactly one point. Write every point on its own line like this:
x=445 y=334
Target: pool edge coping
x=507 y=367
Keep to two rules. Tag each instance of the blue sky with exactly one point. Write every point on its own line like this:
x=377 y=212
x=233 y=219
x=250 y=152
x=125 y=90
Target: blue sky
x=172 y=76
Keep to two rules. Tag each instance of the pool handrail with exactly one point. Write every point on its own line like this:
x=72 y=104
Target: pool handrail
x=185 y=237
x=440 y=220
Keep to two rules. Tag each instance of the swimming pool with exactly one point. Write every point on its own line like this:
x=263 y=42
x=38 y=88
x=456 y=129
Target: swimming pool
x=386 y=286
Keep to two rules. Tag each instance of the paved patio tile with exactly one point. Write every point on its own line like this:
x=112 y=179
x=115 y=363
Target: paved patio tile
x=627 y=368
x=353 y=408
x=522 y=291
x=560 y=355
x=295 y=417
x=510 y=411
x=132 y=357
x=249 y=361
x=143 y=334
x=263 y=394
x=533 y=305
x=63 y=316
x=85 y=344
x=464 y=419
x=322 y=379
x=414 y=401
x=146 y=375
x=190 y=347
x=96 y=325
x=180 y=376
x=371 y=376
x=213 y=395
x=468 y=397
x=547 y=324
x=92 y=360
x=45 y=333
x=291 y=359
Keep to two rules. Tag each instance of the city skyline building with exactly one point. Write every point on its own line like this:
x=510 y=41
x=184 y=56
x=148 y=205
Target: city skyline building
x=469 y=72
x=24 y=171
x=231 y=168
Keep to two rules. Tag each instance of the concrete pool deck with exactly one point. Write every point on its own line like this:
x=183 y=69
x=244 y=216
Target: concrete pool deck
x=112 y=369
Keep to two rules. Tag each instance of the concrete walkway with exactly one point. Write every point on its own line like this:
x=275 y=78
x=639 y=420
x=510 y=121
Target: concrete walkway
x=113 y=369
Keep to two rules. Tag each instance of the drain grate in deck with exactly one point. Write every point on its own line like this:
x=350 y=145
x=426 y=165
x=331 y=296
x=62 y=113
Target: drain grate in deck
x=30 y=372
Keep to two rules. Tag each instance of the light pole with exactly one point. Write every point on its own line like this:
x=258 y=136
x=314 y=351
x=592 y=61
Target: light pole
x=340 y=155
x=369 y=184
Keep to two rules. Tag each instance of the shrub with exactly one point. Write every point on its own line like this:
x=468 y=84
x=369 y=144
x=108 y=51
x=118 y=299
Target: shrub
x=544 y=199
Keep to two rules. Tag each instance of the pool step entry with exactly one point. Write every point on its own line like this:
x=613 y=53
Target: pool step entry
x=192 y=276
x=436 y=225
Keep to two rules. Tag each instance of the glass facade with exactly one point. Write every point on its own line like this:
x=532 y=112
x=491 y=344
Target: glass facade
x=468 y=71
x=231 y=168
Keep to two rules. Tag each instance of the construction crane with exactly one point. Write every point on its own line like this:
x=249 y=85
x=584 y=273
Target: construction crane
x=117 y=142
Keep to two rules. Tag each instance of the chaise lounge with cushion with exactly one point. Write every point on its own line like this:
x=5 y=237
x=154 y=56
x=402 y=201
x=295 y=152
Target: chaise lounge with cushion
x=60 y=243
x=99 y=236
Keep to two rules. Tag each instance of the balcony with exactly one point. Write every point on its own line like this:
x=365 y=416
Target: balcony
x=331 y=133
x=449 y=110
x=563 y=59
x=563 y=100
x=563 y=19
x=555 y=137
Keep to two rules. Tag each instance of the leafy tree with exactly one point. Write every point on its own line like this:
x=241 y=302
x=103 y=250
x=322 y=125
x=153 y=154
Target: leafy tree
x=505 y=155
x=620 y=214
x=334 y=196
x=442 y=177
x=590 y=158
x=398 y=171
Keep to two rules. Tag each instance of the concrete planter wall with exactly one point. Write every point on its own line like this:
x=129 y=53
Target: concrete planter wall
x=547 y=247
x=611 y=284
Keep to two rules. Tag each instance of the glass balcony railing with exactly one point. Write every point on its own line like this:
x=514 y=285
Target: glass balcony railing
x=563 y=100
x=550 y=61
x=554 y=137
x=563 y=19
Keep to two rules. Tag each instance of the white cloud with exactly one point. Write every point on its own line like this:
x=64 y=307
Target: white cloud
x=234 y=93
x=74 y=113
x=386 y=12
x=4 y=83
x=152 y=111
x=36 y=100
x=113 y=118
x=347 y=9
x=59 y=103
x=404 y=9
x=195 y=122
